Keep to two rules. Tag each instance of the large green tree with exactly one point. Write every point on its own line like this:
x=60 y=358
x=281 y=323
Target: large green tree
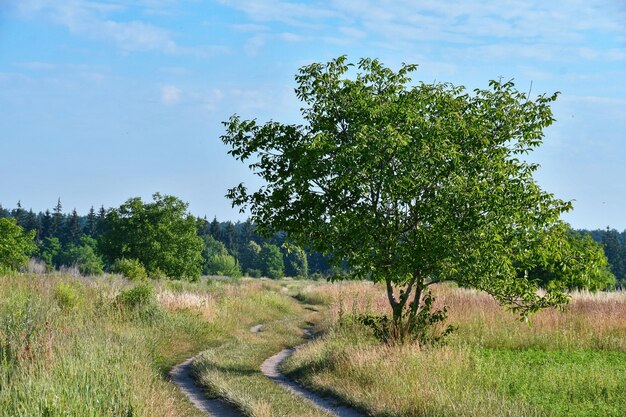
x=15 y=245
x=160 y=234
x=410 y=184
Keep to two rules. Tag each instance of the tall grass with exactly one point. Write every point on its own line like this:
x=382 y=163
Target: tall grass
x=563 y=364
x=232 y=369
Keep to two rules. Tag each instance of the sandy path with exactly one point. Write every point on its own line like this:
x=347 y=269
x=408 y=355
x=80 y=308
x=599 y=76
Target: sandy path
x=181 y=376
x=271 y=368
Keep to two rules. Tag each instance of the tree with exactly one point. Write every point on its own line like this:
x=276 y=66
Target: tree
x=410 y=185
x=50 y=252
x=215 y=229
x=84 y=257
x=271 y=261
x=296 y=263
x=613 y=251
x=223 y=264
x=15 y=245
x=72 y=232
x=249 y=257
x=57 y=220
x=161 y=235
x=211 y=249
x=91 y=226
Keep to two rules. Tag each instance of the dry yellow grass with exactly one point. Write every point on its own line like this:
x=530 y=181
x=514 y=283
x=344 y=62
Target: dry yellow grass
x=494 y=365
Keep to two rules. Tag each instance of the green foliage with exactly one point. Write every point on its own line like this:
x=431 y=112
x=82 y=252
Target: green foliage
x=408 y=184
x=84 y=257
x=50 y=251
x=563 y=258
x=161 y=235
x=254 y=273
x=249 y=256
x=296 y=264
x=223 y=264
x=130 y=268
x=271 y=261
x=423 y=329
x=141 y=295
x=15 y=245
x=67 y=295
x=212 y=248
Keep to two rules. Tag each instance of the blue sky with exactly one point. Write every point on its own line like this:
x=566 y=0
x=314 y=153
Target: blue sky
x=104 y=100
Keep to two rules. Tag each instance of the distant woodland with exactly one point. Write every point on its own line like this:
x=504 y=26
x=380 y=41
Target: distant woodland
x=69 y=239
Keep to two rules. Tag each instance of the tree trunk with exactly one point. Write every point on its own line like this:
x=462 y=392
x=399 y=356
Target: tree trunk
x=404 y=309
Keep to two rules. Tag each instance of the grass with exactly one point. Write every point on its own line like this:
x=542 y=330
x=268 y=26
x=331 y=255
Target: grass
x=565 y=364
x=232 y=370
x=81 y=347
x=73 y=346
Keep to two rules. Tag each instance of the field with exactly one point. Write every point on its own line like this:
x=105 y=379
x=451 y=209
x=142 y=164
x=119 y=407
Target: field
x=563 y=364
x=72 y=346
x=103 y=346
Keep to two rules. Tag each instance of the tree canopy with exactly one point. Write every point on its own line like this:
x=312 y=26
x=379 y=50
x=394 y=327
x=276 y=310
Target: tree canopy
x=15 y=245
x=410 y=184
x=161 y=235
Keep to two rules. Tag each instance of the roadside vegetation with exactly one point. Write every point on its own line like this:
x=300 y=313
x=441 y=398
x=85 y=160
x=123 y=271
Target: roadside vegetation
x=570 y=363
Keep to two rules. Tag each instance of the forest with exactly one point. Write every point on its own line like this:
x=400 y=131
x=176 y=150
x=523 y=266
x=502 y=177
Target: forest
x=91 y=243
x=87 y=242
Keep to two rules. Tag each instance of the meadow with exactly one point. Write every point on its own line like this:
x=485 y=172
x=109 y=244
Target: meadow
x=570 y=363
x=76 y=346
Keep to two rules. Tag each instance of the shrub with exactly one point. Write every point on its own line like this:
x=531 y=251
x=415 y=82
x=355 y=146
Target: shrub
x=131 y=269
x=254 y=273
x=141 y=295
x=66 y=295
x=423 y=328
x=224 y=264
x=157 y=274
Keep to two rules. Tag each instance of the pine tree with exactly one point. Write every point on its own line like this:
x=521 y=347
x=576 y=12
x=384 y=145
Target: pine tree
x=72 y=229
x=32 y=222
x=215 y=229
x=46 y=225
x=57 y=220
x=19 y=214
x=230 y=238
x=101 y=221
x=92 y=223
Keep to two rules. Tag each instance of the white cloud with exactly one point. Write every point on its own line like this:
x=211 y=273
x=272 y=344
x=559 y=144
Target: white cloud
x=529 y=30
x=170 y=94
x=96 y=20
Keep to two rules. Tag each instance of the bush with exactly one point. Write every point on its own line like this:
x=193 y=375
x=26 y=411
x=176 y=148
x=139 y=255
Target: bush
x=224 y=264
x=131 y=269
x=254 y=273
x=424 y=328
x=141 y=295
x=158 y=274
x=67 y=296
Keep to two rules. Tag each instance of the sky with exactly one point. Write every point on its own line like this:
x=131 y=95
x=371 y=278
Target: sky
x=105 y=100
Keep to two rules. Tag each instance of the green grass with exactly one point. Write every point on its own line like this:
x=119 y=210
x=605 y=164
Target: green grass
x=232 y=370
x=69 y=347
x=104 y=347
x=565 y=364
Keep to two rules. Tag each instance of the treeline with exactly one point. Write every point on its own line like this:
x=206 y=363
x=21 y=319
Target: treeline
x=160 y=238
x=614 y=244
